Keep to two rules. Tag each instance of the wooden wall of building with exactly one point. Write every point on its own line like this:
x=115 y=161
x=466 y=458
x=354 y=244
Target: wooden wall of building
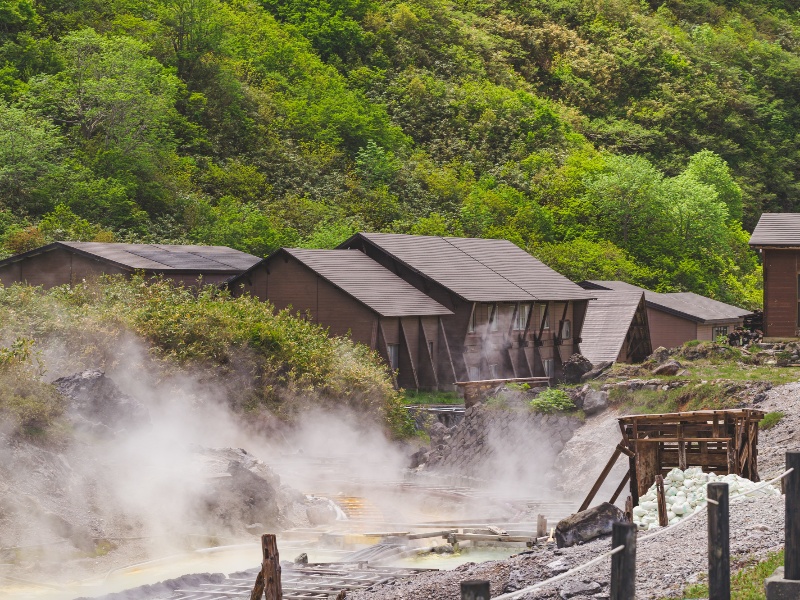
x=669 y=330
x=56 y=267
x=780 y=292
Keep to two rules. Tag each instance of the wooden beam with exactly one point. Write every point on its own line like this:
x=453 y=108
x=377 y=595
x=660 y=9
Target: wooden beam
x=429 y=353
x=603 y=474
x=410 y=356
x=447 y=347
x=386 y=351
x=621 y=487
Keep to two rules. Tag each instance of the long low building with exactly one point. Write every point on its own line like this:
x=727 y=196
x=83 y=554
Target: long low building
x=66 y=263
x=679 y=317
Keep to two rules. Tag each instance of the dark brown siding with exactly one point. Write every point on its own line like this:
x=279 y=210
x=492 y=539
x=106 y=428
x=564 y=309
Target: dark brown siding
x=254 y=283
x=57 y=267
x=668 y=330
x=780 y=293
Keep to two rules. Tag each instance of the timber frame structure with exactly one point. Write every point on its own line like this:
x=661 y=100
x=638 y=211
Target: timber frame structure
x=718 y=441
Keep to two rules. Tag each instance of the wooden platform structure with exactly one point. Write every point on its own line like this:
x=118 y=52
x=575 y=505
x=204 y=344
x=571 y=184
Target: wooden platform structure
x=475 y=390
x=718 y=441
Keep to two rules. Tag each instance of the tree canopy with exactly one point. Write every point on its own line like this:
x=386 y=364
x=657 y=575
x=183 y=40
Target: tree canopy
x=637 y=141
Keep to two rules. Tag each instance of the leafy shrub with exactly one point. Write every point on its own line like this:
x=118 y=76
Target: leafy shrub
x=771 y=419
x=552 y=400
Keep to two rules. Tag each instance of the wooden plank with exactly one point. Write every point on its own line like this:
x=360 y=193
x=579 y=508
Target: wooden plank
x=647 y=465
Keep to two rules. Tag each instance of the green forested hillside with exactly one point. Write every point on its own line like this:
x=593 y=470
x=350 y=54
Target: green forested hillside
x=611 y=139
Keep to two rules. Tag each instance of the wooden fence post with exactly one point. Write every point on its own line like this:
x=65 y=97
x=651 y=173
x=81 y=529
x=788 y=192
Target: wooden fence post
x=661 y=496
x=271 y=567
x=623 y=564
x=792 y=555
x=475 y=589
x=541 y=526
x=719 y=558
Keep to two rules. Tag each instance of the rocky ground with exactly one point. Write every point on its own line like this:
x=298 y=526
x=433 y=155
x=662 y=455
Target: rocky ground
x=665 y=564
x=111 y=491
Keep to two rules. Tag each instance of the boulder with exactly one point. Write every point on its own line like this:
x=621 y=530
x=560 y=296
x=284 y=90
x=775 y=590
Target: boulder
x=95 y=403
x=671 y=367
x=659 y=355
x=588 y=524
x=595 y=402
x=597 y=370
x=579 y=588
x=575 y=367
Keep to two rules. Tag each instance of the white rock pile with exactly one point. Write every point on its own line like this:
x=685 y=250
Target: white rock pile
x=685 y=493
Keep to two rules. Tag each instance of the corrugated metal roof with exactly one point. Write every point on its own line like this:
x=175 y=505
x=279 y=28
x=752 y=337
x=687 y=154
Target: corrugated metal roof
x=356 y=274
x=777 y=229
x=686 y=304
x=167 y=257
x=478 y=270
x=608 y=319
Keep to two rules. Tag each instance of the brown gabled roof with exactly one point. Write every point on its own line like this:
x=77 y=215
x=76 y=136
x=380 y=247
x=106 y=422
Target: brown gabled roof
x=368 y=282
x=687 y=305
x=777 y=230
x=477 y=270
x=155 y=257
x=608 y=319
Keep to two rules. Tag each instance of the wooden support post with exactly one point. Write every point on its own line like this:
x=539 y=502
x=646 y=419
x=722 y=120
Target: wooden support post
x=623 y=564
x=475 y=589
x=629 y=509
x=621 y=487
x=719 y=559
x=541 y=526
x=792 y=556
x=596 y=487
x=271 y=568
x=663 y=521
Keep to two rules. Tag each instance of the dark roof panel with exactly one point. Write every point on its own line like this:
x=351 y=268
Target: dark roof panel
x=368 y=282
x=608 y=319
x=167 y=257
x=479 y=270
x=687 y=304
x=777 y=229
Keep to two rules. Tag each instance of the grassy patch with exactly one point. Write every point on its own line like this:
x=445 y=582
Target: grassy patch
x=552 y=400
x=747 y=583
x=771 y=419
x=412 y=397
x=694 y=396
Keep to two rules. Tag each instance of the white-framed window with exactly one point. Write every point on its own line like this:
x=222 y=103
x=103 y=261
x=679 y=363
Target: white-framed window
x=493 y=374
x=494 y=317
x=394 y=356
x=523 y=310
x=566 y=330
x=545 y=316
x=474 y=374
x=718 y=331
x=430 y=348
x=549 y=367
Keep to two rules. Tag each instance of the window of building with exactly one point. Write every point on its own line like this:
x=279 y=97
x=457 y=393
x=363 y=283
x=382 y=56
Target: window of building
x=430 y=348
x=545 y=317
x=394 y=356
x=523 y=310
x=549 y=367
x=566 y=330
x=473 y=320
x=493 y=372
x=474 y=374
x=494 y=317
x=718 y=331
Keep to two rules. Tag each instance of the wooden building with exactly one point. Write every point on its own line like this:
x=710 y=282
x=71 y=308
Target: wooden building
x=349 y=293
x=777 y=239
x=616 y=328
x=680 y=317
x=62 y=263
x=512 y=316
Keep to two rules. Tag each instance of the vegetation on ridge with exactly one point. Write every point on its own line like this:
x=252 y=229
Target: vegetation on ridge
x=611 y=139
